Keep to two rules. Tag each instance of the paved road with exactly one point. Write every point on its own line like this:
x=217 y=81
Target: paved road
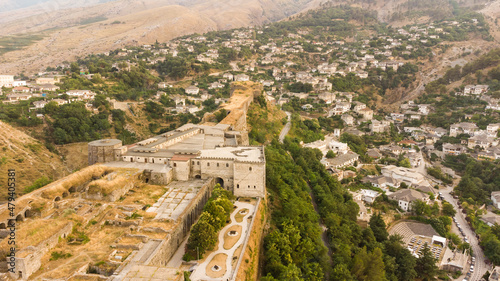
x=287 y=127
x=480 y=266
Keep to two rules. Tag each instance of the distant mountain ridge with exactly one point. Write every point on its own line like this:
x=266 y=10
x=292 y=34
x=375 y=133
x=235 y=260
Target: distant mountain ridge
x=12 y=5
x=76 y=28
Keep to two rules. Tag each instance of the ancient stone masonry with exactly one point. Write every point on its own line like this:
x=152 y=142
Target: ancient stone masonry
x=28 y=260
x=196 y=152
x=183 y=224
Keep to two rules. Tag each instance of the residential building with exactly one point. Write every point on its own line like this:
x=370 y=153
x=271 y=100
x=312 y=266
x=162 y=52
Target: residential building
x=406 y=198
x=495 y=198
x=409 y=176
x=492 y=129
x=476 y=89
x=453 y=149
x=48 y=80
x=18 y=97
x=379 y=126
x=342 y=160
x=192 y=90
x=348 y=119
x=242 y=77
x=18 y=83
x=463 y=128
x=39 y=104
x=327 y=97
x=216 y=85
x=307 y=107
x=366 y=113
x=6 y=81
x=228 y=76
x=369 y=196
x=482 y=140
x=382 y=182
x=81 y=94
x=338 y=147
x=495 y=274
x=163 y=85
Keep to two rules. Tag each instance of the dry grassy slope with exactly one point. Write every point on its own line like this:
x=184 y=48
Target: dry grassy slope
x=141 y=22
x=37 y=160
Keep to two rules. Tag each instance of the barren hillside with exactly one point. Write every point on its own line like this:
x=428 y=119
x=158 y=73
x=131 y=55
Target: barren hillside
x=28 y=157
x=76 y=32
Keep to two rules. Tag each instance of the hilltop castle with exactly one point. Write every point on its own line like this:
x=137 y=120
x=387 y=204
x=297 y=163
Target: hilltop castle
x=191 y=152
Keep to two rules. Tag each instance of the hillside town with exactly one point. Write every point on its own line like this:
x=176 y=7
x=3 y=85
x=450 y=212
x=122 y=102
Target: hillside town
x=162 y=113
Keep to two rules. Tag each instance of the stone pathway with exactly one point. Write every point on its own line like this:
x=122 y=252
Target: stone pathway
x=201 y=271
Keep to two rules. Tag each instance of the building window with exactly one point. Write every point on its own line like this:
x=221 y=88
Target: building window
x=217 y=164
x=250 y=168
x=237 y=186
x=227 y=165
x=175 y=164
x=208 y=164
x=254 y=187
x=198 y=163
x=248 y=186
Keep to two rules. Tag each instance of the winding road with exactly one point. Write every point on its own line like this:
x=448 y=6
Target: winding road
x=480 y=265
x=287 y=127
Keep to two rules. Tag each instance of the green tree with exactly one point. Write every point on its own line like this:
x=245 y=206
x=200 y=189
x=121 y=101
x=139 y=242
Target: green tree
x=405 y=261
x=419 y=207
x=426 y=265
x=405 y=162
x=448 y=209
x=378 y=227
x=369 y=266
x=330 y=154
x=203 y=236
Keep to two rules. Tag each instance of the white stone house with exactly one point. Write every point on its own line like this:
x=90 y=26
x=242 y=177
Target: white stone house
x=6 y=81
x=463 y=128
x=40 y=104
x=495 y=198
x=192 y=90
x=348 y=119
x=228 y=76
x=492 y=129
x=242 y=77
x=338 y=147
x=369 y=196
x=406 y=198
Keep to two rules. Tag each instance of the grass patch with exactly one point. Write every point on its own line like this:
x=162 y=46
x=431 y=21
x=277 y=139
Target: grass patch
x=92 y=20
x=59 y=255
x=41 y=182
x=18 y=42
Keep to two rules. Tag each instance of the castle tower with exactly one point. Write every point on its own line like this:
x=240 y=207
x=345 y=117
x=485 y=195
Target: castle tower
x=102 y=151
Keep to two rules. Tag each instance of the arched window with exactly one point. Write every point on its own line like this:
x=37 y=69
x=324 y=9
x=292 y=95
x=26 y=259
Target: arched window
x=237 y=186
x=175 y=164
x=208 y=164
x=250 y=168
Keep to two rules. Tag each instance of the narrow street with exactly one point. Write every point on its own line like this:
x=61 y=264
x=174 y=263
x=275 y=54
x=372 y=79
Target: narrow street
x=480 y=265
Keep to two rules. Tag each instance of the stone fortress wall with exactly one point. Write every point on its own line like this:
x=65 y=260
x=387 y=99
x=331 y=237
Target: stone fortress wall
x=28 y=260
x=183 y=225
